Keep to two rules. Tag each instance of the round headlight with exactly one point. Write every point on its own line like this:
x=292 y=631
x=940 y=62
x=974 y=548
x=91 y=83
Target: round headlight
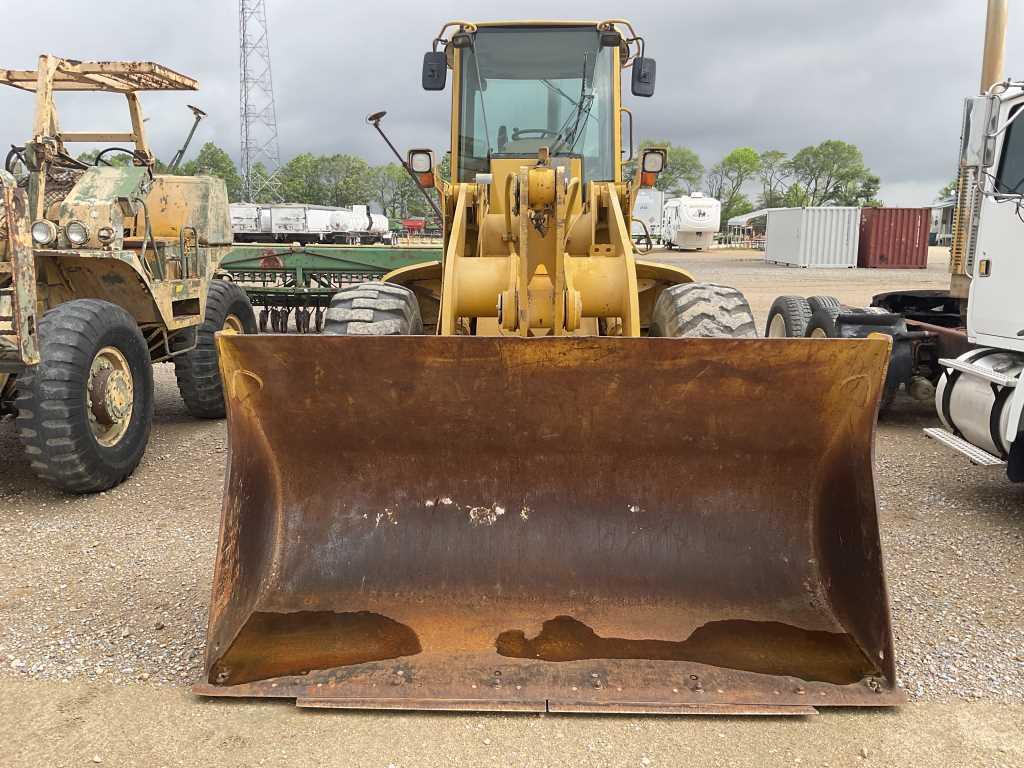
x=44 y=232
x=105 y=235
x=77 y=232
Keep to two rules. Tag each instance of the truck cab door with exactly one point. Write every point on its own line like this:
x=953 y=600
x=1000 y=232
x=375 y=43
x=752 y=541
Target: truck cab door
x=995 y=314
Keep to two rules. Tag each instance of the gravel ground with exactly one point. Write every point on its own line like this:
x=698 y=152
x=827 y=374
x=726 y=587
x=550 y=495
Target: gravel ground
x=114 y=587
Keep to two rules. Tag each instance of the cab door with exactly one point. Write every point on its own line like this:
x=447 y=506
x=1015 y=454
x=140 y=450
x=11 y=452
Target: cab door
x=995 y=314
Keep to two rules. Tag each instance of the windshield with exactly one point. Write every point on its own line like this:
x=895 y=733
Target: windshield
x=523 y=89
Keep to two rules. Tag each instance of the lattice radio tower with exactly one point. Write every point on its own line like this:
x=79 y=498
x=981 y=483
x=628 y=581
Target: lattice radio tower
x=257 y=114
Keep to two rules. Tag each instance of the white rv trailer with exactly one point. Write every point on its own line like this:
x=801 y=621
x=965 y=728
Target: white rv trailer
x=690 y=222
x=648 y=209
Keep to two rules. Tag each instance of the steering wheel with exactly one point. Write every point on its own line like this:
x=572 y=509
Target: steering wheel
x=99 y=157
x=540 y=133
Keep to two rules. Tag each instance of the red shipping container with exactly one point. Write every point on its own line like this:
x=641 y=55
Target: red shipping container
x=894 y=238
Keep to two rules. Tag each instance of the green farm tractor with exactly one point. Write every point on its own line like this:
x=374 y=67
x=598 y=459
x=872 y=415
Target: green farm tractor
x=105 y=268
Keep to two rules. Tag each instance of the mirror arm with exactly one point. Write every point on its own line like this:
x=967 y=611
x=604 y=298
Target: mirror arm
x=405 y=165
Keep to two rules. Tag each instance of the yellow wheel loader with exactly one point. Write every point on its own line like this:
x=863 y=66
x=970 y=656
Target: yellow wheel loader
x=542 y=475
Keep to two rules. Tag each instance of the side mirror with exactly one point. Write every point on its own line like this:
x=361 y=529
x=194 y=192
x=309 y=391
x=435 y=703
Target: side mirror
x=421 y=163
x=652 y=162
x=644 y=72
x=435 y=71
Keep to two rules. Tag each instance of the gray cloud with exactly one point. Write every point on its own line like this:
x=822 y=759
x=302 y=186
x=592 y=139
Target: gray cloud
x=886 y=76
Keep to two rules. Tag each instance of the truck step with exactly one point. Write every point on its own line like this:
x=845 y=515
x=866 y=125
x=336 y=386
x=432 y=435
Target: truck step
x=975 y=454
x=982 y=373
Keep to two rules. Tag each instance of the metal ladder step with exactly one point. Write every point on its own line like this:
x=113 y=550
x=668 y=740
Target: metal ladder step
x=982 y=373
x=975 y=454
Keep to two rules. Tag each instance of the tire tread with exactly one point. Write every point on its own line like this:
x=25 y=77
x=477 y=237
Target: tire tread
x=702 y=310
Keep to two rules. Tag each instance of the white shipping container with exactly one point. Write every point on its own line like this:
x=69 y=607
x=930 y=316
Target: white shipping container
x=647 y=208
x=813 y=237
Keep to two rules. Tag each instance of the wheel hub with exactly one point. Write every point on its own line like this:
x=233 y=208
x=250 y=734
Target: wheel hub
x=233 y=324
x=110 y=392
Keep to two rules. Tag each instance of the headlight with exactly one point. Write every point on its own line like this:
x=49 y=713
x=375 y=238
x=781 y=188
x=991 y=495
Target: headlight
x=77 y=232
x=44 y=232
x=105 y=235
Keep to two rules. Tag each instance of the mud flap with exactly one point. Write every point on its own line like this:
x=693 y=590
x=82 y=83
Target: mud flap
x=589 y=524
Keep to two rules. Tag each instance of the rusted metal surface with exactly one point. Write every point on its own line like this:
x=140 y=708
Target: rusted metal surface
x=949 y=342
x=19 y=344
x=119 y=76
x=894 y=238
x=573 y=524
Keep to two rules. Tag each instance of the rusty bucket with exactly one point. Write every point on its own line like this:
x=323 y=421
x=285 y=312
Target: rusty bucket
x=564 y=524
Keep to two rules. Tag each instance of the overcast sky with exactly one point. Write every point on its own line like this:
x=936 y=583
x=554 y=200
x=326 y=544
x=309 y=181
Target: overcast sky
x=886 y=75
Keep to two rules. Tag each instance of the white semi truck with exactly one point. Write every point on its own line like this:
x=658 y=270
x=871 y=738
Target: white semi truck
x=964 y=346
x=980 y=394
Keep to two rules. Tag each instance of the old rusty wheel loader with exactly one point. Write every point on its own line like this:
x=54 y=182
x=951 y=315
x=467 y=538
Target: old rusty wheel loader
x=542 y=474
x=105 y=269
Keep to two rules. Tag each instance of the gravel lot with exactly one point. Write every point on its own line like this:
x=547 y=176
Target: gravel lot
x=110 y=591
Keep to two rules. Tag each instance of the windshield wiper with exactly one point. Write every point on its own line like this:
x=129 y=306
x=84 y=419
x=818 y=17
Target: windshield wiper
x=579 y=115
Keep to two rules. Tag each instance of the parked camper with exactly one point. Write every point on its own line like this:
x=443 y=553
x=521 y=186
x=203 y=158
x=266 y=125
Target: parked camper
x=647 y=212
x=690 y=222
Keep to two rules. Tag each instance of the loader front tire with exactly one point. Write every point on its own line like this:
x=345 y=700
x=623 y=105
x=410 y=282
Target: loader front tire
x=198 y=372
x=85 y=411
x=702 y=310
x=374 y=309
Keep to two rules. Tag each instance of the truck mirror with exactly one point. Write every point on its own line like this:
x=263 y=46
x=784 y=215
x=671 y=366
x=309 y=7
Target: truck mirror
x=644 y=71
x=435 y=71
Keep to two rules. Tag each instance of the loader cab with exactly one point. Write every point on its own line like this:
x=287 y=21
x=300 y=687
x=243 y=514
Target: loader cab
x=521 y=86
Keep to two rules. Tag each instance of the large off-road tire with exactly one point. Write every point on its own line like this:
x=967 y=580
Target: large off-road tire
x=85 y=411
x=374 y=309
x=198 y=373
x=788 y=317
x=702 y=310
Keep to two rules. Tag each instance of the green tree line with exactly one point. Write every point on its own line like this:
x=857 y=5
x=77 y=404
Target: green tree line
x=830 y=173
